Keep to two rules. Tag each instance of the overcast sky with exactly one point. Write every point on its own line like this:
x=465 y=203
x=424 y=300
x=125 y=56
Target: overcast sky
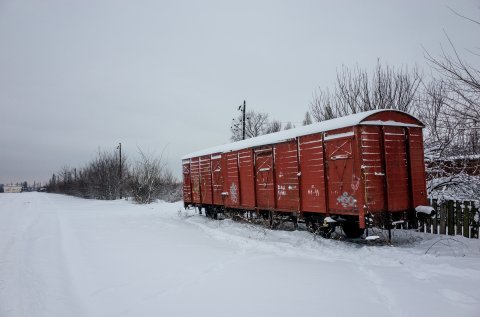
x=78 y=76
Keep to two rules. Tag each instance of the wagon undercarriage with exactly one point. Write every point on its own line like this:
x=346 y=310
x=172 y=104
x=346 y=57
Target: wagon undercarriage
x=318 y=224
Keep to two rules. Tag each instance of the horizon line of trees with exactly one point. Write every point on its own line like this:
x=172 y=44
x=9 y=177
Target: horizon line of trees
x=106 y=177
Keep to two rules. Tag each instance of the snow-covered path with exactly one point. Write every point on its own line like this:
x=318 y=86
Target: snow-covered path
x=64 y=256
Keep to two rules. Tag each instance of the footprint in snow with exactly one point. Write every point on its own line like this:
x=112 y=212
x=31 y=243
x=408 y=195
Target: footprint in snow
x=457 y=297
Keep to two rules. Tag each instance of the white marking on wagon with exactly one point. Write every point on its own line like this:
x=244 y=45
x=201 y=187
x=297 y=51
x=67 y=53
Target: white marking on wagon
x=339 y=135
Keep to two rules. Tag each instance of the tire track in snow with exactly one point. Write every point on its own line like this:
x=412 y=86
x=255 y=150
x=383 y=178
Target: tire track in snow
x=16 y=229
x=383 y=292
x=71 y=262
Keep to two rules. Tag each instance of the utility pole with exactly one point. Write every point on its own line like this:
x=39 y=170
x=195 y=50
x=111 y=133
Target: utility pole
x=119 y=147
x=235 y=125
x=243 y=110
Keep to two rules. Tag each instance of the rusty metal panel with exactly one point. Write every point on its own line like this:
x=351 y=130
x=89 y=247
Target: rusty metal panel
x=372 y=167
x=312 y=173
x=417 y=167
x=217 y=179
x=396 y=168
x=343 y=183
x=206 y=179
x=247 y=181
x=264 y=176
x=286 y=176
x=231 y=185
x=187 y=185
x=195 y=177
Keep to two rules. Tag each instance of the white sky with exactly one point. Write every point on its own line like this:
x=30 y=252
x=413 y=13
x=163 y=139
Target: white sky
x=76 y=76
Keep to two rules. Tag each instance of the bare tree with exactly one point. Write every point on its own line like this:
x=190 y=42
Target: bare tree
x=274 y=126
x=256 y=124
x=355 y=91
x=307 y=119
x=451 y=113
x=462 y=81
x=321 y=106
x=289 y=126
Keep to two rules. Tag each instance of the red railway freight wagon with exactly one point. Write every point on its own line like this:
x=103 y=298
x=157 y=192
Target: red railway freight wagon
x=353 y=171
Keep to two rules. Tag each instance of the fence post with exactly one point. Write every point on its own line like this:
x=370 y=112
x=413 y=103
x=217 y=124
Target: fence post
x=450 y=218
x=474 y=219
x=458 y=217
x=443 y=217
x=466 y=220
x=434 y=221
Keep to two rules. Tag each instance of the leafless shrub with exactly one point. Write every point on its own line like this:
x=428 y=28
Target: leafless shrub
x=150 y=179
x=99 y=179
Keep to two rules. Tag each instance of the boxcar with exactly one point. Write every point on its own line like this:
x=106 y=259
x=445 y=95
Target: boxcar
x=352 y=171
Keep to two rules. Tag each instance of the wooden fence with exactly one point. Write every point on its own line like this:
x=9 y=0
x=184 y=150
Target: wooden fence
x=453 y=218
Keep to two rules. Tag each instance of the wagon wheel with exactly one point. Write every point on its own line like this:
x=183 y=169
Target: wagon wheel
x=312 y=225
x=326 y=232
x=352 y=229
x=270 y=220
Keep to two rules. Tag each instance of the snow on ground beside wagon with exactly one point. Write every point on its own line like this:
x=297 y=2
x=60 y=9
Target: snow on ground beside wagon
x=64 y=256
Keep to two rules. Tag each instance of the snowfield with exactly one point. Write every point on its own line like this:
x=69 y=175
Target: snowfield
x=65 y=256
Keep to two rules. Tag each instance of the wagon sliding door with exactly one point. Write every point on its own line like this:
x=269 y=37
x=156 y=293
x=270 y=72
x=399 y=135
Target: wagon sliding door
x=217 y=179
x=343 y=184
x=264 y=177
x=231 y=185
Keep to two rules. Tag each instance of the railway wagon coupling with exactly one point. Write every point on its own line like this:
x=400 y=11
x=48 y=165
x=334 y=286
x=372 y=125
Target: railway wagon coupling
x=353 y=172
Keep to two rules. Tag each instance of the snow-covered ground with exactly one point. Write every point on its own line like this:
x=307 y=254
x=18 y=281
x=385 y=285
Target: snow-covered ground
x=65 y=256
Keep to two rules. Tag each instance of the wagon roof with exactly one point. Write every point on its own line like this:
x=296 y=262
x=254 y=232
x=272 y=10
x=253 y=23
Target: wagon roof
x=327 y=125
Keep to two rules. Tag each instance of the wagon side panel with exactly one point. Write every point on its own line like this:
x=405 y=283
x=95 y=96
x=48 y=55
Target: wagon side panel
x=187 y=185
x=247 y=181
x=396 y=168
x=231 y=179
x=286 y=176
x=343 y=183
x=195 y=174
x=312 y=175
x=264 y=177
x=417 y=167
x=217 y=179
x=372 y=167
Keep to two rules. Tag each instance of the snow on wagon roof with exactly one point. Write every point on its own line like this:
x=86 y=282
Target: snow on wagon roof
x=278 y=137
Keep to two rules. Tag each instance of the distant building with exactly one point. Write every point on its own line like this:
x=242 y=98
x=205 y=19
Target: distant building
x=12 y=188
